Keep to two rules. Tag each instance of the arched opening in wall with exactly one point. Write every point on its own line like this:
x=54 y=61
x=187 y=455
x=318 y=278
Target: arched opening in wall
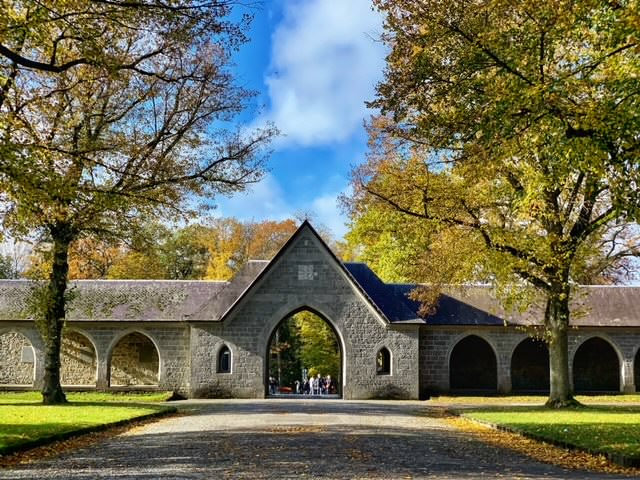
x=596 y=367
x=304 y=357
x=530 y=367
x=473 y=366
x=18 y=360
x=134 y=362
x=383 y=362
x=78 y=362
x=224 y=360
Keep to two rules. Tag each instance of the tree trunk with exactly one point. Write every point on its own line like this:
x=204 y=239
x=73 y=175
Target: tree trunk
x=54 y=314
x=557 y=325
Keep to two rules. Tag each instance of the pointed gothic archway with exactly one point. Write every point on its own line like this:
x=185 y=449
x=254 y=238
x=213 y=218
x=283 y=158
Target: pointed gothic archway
x=303 y=345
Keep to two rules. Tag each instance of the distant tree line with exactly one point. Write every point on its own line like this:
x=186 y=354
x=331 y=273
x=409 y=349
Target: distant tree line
x=214 y=250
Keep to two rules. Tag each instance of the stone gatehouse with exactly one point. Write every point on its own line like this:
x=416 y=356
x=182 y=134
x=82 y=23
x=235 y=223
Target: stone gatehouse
x=204 y=338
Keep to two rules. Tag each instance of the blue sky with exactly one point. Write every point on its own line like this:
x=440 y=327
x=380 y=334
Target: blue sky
x=314 y=64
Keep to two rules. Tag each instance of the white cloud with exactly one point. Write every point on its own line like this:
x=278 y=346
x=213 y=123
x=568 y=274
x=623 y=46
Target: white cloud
x=261 y=201
x=328 y=214
x=324 y=66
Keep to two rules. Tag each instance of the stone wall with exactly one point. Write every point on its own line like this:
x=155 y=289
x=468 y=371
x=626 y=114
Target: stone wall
x=78 y=360
x=306 y=277
x=436 y=344
x=170 y=338
x=172 y=355
x=134 y=361
x=18 y=359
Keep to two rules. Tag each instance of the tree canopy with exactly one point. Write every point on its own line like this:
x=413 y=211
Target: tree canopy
x=510 y=134
x=114 y=113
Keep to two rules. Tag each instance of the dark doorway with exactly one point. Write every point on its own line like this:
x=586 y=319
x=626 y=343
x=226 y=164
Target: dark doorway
x=304 y=357
x=530 y=367
x=473 y=366
x=596 y=367
x=383 y=362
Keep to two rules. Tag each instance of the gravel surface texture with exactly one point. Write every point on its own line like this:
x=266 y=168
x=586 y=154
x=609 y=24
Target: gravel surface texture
x=294 y=439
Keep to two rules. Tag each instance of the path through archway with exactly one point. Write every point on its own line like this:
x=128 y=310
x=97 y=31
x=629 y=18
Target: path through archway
x=303 y=348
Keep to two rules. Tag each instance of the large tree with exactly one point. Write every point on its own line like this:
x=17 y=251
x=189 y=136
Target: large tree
x=233 y=243
x=112 y=113
x=56 y=36
x=515 y=126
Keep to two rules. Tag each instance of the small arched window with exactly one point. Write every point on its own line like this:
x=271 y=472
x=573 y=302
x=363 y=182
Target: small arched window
x=383 y=362
x=224 y=360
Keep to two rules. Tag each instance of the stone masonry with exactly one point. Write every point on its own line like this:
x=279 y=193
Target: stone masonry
x=307 y=277
x=168 y=334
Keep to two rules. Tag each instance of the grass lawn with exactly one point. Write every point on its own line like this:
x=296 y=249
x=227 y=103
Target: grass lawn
x=613 y=430
x=533 y=399
x=24 y=421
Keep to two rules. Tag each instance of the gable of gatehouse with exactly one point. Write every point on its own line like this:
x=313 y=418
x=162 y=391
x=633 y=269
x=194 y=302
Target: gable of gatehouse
x=305 y=275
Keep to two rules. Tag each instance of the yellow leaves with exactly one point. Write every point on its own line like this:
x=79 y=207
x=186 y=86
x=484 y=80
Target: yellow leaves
x=417 y=50
x=232 y=243
x=137 y=265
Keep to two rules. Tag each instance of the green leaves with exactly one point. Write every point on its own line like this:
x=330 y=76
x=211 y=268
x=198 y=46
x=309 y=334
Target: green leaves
x=507 y=149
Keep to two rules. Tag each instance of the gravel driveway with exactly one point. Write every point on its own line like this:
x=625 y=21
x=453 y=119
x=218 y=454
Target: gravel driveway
x=293 y=439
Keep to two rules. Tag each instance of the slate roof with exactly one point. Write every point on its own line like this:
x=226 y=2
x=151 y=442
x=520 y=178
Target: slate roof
x=390 y=300
x=166 y=300
x=476 y=305
x=217 y=306
x=118 y=300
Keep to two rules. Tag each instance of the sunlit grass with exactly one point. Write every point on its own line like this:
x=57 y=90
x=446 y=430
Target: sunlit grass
x=24 y=421
x=532 y=399
x=605 y=429
x=84 y=397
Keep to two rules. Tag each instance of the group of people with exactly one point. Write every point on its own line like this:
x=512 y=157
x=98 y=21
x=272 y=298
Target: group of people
x=317 y=385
